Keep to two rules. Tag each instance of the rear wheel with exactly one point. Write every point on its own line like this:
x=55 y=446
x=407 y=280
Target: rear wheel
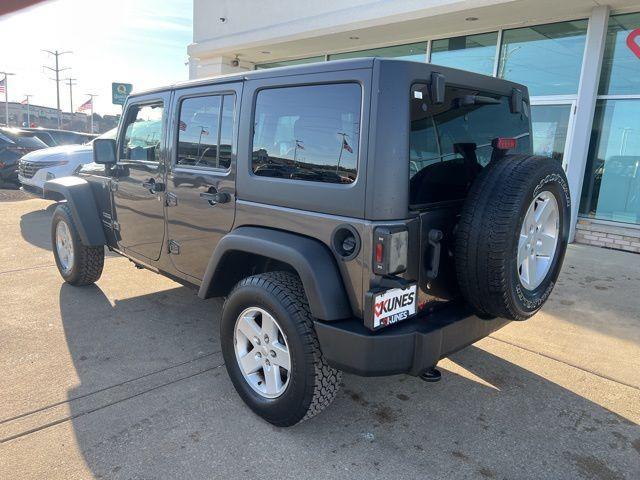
x=271 y=350
x=512 y=236
x=78 y=264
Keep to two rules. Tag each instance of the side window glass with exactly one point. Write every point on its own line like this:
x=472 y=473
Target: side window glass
x=205 y=131
x=308 y=133
x=143 y=133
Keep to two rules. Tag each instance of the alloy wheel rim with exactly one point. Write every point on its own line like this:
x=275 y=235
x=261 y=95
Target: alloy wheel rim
x=64 y=246
x=262 y=352
x=538 y=239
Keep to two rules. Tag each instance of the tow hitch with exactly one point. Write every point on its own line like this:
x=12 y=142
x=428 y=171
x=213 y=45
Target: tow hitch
x=432 y=375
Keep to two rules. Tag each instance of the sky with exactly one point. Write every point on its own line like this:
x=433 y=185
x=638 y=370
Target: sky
x=142 y=42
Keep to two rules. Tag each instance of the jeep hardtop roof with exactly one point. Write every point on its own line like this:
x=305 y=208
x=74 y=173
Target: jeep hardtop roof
x=322 y=67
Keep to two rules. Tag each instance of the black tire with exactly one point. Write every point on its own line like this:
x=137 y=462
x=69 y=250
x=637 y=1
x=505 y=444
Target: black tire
x=313 y=384
x=87 y=262
x=488 y=233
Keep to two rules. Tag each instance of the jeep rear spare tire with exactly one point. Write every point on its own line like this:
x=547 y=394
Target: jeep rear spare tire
x=512 y=236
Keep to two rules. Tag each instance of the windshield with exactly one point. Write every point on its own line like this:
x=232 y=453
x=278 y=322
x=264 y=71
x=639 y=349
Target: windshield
x=451 y=143
x=23 y=139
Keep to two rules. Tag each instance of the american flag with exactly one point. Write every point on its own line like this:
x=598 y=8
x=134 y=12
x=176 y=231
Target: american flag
x=3 y=82
x=25 y=101
x=182 y=126
x=346 y=146
x=88 y=105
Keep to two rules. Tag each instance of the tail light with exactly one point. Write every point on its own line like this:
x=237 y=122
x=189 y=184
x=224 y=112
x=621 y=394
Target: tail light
x=504 y=143
x=390 y=250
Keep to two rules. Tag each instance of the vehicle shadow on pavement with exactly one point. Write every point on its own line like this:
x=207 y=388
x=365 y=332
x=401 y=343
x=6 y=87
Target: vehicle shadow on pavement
x=154 y=401
x=33 y=227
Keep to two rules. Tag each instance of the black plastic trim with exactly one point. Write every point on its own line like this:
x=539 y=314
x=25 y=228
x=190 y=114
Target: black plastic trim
x=80 y=199
x=410 y=347
x=313 y=262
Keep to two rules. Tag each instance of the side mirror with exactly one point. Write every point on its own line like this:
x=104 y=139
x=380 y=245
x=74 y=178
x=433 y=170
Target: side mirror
x=104 y=151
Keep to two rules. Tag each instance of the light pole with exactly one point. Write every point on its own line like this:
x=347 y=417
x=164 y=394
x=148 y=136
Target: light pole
x=28 y=98
x=70 y=82
x=91 y=95
x=6 y=96
x=57 y=71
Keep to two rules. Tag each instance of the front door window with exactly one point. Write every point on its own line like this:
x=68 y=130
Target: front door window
x=143 y=134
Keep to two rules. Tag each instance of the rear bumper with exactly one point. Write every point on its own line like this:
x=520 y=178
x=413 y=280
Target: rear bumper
x=409 y=347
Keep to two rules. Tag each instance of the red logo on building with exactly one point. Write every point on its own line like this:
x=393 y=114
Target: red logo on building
x=631 y=42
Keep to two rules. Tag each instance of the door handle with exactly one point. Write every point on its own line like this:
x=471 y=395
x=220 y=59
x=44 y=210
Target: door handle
x=214 y=197
x=153 y=186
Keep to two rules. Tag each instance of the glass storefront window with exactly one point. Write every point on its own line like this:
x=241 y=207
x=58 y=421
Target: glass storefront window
x=621 y=61
x=475 y=53
x=285 y=63
x=611 y=189
x=415 y=51
x=549 y=124
x=545 y=58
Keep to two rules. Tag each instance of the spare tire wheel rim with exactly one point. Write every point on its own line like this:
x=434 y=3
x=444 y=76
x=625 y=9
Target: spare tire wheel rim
x=64 y=246
x=262 y=352
x=538 y=239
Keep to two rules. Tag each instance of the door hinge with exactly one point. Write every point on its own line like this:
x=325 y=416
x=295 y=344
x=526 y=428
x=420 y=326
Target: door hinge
x=171 y=199
x=174 y=247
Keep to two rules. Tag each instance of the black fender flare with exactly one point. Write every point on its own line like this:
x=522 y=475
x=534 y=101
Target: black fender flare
x=312 y=260
x=79 y=196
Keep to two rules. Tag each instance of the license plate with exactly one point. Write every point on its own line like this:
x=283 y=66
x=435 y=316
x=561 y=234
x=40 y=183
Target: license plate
x=394 y=306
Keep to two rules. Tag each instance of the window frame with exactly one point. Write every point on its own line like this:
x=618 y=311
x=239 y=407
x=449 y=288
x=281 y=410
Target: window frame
x=123 y=130
x=176 y=142
x=254 y=104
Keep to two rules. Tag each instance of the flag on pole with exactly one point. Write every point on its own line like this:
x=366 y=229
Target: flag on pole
x=346 y=146
x=88 y=105
x=182 y=126
x=3 y=85
x=25 y=101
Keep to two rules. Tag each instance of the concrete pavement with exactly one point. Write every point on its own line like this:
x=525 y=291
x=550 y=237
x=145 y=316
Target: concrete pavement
x=125 y=380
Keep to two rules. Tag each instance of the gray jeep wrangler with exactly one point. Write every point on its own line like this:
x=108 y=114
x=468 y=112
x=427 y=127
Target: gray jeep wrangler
x=370 y=216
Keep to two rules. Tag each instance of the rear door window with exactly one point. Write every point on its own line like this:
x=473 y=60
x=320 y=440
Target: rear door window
x=451 y=143
x=308 y=133
x=205 y=130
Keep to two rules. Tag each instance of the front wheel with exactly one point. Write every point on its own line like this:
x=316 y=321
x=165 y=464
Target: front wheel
x=78 y=264
x=271 y=350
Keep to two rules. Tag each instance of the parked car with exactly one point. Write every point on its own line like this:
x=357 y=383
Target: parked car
x=343 y=237
x=53 y=137
x=14 y=143
x=37 y=167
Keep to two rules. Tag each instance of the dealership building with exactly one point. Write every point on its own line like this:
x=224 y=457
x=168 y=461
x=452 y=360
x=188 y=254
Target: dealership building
x=580 y=60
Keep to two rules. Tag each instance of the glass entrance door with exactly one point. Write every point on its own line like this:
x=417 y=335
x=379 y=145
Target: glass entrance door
x=552 y=125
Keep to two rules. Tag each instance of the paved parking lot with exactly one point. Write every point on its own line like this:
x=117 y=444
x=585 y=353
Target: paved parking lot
x=125 y=379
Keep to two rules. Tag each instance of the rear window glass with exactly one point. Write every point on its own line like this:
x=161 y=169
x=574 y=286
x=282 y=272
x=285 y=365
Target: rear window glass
x=308 y=133
x=451 y=143
x=23 y=139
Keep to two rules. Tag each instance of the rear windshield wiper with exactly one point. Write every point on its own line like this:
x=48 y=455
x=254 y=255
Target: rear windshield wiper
x=467 y=100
